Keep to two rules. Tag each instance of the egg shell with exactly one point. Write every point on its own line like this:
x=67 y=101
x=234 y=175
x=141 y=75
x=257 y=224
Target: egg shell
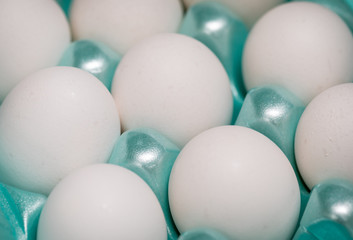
x=173 y=84
x=324 y=137
x=122 y=23
x=56 y=120
x=237 y=181
x=301 y=46
x=34 y=34
x=102 y=201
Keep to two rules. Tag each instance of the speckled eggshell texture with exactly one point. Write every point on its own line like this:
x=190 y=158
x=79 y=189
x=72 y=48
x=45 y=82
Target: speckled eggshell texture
x=301 y=46
x=324 y=137
x=237 y=181
x=56 y=120
x=173 y=84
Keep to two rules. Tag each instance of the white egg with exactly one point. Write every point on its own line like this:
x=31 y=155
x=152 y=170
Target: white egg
x=248 y=10
x=174 y=84
x=122 y=23
x=102 y=201
x=324 y=137
x=54 y=121
x=237 y=181
x=34 y=35
x=300 y=45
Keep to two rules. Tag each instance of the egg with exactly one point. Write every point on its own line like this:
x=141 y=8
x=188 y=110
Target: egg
x=34 y=34
x=301 y=46
x=54 y=121
x=102 y=201
x=237 y=181
x=324 y=137
x=123 y=23
x=247 y=10
x=173 y=84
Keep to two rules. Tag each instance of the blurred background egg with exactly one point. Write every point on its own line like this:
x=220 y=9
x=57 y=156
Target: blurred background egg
x=301 y=46
x=56 y=120
x=324 y=137
x=34 y=35
x=173 y=84
x=122 y=23
x=237 y=181
x=102 y=201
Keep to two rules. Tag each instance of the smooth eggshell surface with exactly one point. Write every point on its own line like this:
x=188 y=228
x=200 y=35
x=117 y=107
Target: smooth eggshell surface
x=324 y=137
x=173 y=84
x=122 y=23
x=102 y=201
x=54 y=121
x=302 y=46
x=248 y=10
x=237 y=181
x=34 y=35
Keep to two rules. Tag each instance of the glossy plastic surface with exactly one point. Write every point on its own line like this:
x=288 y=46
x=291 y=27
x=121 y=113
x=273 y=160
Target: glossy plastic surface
x=19 y=213
x=202 y=234
x=329 y=213
x=248 y=10
x=150 y=155
x=65 y=5
x=93 y=57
